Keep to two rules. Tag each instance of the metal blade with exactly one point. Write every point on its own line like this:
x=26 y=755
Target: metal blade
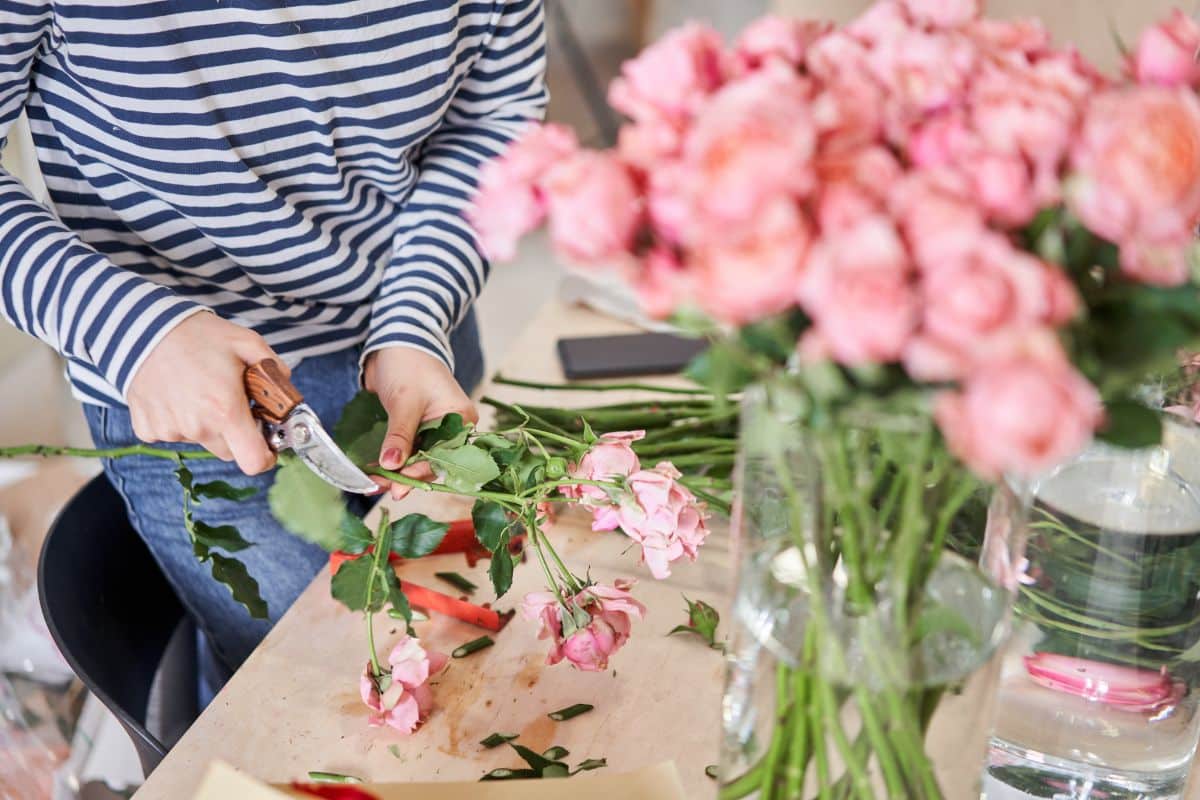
x=303 y=433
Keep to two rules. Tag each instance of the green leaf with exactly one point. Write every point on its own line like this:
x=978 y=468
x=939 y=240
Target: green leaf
x=398 y=600
x=556 y=753
x=1131 y=424
x=306 y=505
x=703 y=620
x=500 y=571
x=592 y=763
x=494 y=442
x=497 y=739
x=491 y=523
x=463 y=469
x=359 y=416
x=556 y=771
x=223 y=537
x=534 y=759
x=353 y=535
x=220 y=490
x=416 y=535
x=449 y=432
x=365 y=449
x=721 y=369
x=184 y=476
x=506 y=774
x=359 y=586
x=233 y=574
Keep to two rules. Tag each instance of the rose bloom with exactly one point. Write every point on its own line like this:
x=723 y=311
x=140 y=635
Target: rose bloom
x=997 y=291
x=662 y=283
x=940 y=220
x=509 y=202
x=943 y=13
x=671 y=78
x=774 y=38
x=752 y=143
x=855 y=183
x=663 y=517
x=1022 y=412
x=923 y=71
x=1166 y=53
x=858 y=289
x=1026 y=36
x=1137 y=180
x=593 y=207
x=608 y=612
x=406 y=699
x=744 y=280
x=609 y=458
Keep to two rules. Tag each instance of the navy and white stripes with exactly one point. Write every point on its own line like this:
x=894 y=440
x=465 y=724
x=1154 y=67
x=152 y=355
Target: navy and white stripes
x=300 y=167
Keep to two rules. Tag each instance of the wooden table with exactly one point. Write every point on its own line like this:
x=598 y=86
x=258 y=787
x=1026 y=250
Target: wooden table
x=294 y=704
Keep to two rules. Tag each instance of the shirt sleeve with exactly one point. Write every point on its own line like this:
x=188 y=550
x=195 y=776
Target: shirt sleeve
x=436 y=270
x=52 y=285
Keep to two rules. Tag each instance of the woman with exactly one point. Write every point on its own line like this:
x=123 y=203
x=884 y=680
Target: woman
x=239 y=180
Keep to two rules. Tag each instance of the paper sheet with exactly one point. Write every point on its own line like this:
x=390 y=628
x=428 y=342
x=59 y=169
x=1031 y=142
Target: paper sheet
x=659 y=782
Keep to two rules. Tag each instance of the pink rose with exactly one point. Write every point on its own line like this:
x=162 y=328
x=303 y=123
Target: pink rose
x=774 y=38
x=855 y=183
x=1023 y=412
x=1166 y=53
x=923 y=71
x=662 y=283
x=943 y=13
x=671 y=78
x=858 y=289
x=1025 y=36
x=646 y=144
x=510 y=202
x=1137 y=181
x=1114 y=685
x=611 y=457
x=593 y=205
x=938 y=216
x=401 y=698
x=663 y=517
x=752 y=143
x=748 y=279
x=668 y=202
x=588 y=628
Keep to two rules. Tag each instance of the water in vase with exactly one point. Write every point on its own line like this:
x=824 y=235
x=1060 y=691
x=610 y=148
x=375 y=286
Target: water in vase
x=1098 y=697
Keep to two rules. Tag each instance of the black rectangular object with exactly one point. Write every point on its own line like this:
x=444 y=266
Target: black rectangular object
x=626 y=355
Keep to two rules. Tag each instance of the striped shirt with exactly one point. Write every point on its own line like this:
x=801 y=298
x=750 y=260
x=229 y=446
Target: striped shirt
x=300 y=167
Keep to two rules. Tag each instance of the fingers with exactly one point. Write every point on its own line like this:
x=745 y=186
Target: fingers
x=404 y=409
x=245 y=441
x=252 y=348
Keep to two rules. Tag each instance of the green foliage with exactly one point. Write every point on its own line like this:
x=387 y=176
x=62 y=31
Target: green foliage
x=1131 y=424
x=306 y=505
x=465 y=468
x=359 y=416
x=206 y=539
x=353 y=535
x=494 y=528
x=358 y=585
x=417 y=535
x=703 y=620
x=447 y=433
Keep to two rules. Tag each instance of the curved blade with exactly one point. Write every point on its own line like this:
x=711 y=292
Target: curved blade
x=303 y=433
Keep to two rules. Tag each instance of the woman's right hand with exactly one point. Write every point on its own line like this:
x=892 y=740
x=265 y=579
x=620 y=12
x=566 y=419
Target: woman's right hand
x=190 y=389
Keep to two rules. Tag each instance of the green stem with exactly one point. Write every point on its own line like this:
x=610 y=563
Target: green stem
x=598 y=387
x=508 y=500
x=377 y=558
x=574 y=444
x=46 y=451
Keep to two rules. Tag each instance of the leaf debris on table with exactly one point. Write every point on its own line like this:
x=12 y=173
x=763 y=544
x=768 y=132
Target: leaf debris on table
x=546 y=765
x=570 y=712
x=497 y=739
x=332 y=777
x=457 y=581
x=473 y=646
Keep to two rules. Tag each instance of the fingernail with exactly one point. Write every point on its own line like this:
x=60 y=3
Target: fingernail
x=390 y=459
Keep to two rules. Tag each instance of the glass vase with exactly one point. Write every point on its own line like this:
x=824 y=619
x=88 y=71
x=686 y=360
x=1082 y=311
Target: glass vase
x=1098 y=691
x=864 y=654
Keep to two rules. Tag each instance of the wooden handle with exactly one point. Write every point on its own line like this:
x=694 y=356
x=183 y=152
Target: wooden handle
x=273 y=394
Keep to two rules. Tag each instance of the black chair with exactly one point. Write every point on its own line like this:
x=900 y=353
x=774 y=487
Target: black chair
x=118 y=622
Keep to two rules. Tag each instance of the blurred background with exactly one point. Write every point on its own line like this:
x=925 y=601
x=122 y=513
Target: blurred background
x=53 y=741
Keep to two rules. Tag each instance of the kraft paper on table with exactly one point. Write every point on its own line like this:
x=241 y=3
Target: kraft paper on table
x=660 y=782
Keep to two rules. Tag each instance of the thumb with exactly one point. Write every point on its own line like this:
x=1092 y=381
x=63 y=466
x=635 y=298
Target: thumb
x=252 y=348
x=404 y=416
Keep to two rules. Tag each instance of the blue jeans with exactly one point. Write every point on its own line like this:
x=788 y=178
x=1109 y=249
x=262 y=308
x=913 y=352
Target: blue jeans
x=282 y=564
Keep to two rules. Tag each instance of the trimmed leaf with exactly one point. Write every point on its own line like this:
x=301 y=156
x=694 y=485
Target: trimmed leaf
x=353 y=535
x=494 y=442
x=224 y=537
x=448 y=432
x=359 y=416
x=234 y=575
x=492 y=523
x=505 y=774
x=592 y=763
x=398 y=600
x=457 y=581
x=497 y=739
x=1131 y=424
x=416 y=535
x=556 y=753
x=534 y=758
x=464 y=469
x=306 y=505
x=221 y=490
x=359 y=586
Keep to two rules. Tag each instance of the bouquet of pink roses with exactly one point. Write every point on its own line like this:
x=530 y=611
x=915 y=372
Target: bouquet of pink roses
x=923 y=198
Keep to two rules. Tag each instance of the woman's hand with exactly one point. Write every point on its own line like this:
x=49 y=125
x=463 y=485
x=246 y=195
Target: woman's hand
x=413 y=386
x=190 y=389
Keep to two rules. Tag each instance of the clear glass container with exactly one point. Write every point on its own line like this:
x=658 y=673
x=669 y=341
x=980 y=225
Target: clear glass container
x=866 y=634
